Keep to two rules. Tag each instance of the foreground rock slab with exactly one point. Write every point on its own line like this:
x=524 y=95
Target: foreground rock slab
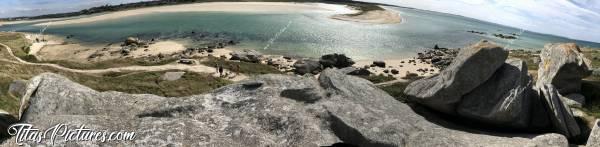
x=503 y=100
x=258 y=112
x=594 y=139
x=472 y=66
x=561 y=116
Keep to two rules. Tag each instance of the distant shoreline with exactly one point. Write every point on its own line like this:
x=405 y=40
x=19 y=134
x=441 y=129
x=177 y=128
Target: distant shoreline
x=338 y=11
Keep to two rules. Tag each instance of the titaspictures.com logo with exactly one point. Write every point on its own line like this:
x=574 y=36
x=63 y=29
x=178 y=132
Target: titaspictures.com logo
x=24 y=132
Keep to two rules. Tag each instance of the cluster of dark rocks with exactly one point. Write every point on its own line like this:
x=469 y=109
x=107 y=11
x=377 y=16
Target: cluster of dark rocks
x=482 y=85
x=132 y=44
x=438 y=57
x=247 y=56
x=477 y=32
x=503 y=36
x=339 y=61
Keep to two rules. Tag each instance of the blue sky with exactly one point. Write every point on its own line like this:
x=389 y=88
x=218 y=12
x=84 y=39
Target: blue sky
x=577 y=19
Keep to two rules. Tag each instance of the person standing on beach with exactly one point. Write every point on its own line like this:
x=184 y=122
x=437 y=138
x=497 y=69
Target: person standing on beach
x=220 y=71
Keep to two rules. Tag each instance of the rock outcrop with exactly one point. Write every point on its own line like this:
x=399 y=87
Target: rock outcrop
x=246 y=56
x=265 y=111
x=172 y=76
x=563 y=65
x=306 y=66
x=479 y=86
x=503 y=100
x=560 y=114
x=594 y=139
x=472 y=66
x=336 y=60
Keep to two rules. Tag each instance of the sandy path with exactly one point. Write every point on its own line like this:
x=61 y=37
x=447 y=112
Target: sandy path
x=191 y=68
x=215 y=7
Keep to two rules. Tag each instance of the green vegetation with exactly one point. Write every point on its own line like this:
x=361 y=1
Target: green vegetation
x=396 y=90
x=19 y=45
x=379 y=78
x=139 y=82
x=150 y=83
x=526 y=56
x=241 y=67
x=363 y=8
x=591 y=91
x=8 y=102
x=144 y=61
x=593 y=55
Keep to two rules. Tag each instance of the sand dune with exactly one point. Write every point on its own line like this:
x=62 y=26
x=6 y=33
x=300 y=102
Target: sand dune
x=271 y=7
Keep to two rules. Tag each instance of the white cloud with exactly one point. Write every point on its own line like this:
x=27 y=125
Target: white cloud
x=577 y=19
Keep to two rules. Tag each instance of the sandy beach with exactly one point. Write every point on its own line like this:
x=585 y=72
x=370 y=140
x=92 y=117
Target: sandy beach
x=271 y=7
x=377 y=17
x=404 y=66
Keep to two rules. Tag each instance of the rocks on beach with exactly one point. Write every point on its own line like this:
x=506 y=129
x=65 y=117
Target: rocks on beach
x=247 y=56
x=336 y=60
x=306 y=66
x=438 y=57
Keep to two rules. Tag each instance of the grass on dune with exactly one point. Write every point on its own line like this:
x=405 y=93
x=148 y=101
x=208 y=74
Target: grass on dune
x=136 y=83
x=244 y=67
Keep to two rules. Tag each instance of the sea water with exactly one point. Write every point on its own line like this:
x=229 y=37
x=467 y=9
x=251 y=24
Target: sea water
x=309 y=34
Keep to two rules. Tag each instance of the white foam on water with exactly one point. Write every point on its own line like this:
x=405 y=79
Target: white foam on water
x=272 y=40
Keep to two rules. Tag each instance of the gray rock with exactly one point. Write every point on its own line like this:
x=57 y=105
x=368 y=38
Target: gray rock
x=132 y=41
x=594 y=139
x=336 y=60
x=17 y=87
x=353 y=111
x=596 y=72
x=355 y=71
x=247 y=56
x=379 y=64
x=306 y=66
x=551 y=140
x=471 y=67
x=560 y=114
x=172 y=76
x=563 y=65
x=503 y=100
x=574 y=100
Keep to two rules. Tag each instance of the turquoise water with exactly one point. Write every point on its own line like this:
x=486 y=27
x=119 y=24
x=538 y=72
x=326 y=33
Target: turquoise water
x=309 y=34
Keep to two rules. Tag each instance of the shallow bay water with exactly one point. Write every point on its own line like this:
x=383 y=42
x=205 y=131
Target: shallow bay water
x=309 y=34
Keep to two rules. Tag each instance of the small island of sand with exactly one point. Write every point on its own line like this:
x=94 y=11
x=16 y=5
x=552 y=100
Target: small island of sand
x=376 y=16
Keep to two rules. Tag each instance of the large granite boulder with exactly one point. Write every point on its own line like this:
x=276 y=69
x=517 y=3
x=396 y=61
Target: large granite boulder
x=560 y=114
x=246 y=56
x=563 y=65
x=594 y=139
x=472 y=66
x=503 y=100
x=336 y=60
x=256 y=112
x=306 y=66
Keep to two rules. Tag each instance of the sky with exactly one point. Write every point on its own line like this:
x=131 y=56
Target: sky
x=576 y=19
